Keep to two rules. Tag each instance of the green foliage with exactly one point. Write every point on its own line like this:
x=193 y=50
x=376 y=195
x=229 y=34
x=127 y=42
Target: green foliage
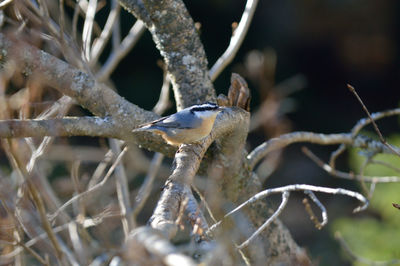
x=375 y=236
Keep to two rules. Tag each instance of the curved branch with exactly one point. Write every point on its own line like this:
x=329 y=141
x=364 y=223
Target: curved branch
x=284 y=140
x=176 y=38
x=323 y=139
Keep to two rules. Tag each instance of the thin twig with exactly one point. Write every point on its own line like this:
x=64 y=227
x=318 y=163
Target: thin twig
x=236 y=40
x=77 y=243
x=80 y=207
x=362 y=170
x=350 y=176
x=145 y=189
x=285 y=199
x=324 y=213
x=203 y=200
x=101 y=167
x=298 y=187
x=336 y=154
x=386 y=164
x=284 y=140
x=62 y=20
x=122 y=191
x=88 y=28
x=357 y=128
x=86 y=224
x=100 y=43
x=163 y=102
x=94 y=188
x=75 y=18
x=123 y=49
x=382 y=139
x=33 y=253
x=375 y=116
x=45 y=223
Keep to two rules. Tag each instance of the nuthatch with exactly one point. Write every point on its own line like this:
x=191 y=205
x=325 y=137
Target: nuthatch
x=186 y=126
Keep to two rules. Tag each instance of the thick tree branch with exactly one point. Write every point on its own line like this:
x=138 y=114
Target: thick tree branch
x=176 y=38
x=82 y=87
x=63 y=127
x=187 y=162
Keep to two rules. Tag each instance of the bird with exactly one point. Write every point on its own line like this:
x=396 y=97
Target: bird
x=189 y=125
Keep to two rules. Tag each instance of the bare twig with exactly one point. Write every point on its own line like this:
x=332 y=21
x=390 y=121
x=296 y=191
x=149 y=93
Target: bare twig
x=357 y=128
x=121 y=181
x=100 y=43
x=203 y=200
x=33 y=253
x=77 y=243
x=336 y=154
x=85 y=223
x=119 y=53
x=101 y=167
x=94 y=188
x=350 y=176
x=285 y=199
x=88 y=28
x=62 y=20
x=145 y=189
x=45 y=223
x=284 y=140
x=364 y=165
x=163 y=102
x=236 y=40
x=298 y=187
x=382 y=139
x=373 y=117
x=386 y=164
x=324 y=213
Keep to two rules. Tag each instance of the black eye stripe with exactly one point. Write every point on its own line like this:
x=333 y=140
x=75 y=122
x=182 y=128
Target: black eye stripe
x=203 y=108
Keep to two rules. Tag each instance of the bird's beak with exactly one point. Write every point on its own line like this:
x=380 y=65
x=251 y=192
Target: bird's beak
x=221 y=108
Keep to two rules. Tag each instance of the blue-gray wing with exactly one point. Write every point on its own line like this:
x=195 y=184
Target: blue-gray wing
x=164 y=122
x=181 y=120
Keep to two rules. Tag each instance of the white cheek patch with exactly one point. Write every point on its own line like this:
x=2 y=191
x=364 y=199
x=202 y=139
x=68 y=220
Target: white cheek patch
x=205 y=114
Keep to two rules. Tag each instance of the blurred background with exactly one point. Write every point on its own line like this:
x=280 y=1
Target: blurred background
x=298 y=57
